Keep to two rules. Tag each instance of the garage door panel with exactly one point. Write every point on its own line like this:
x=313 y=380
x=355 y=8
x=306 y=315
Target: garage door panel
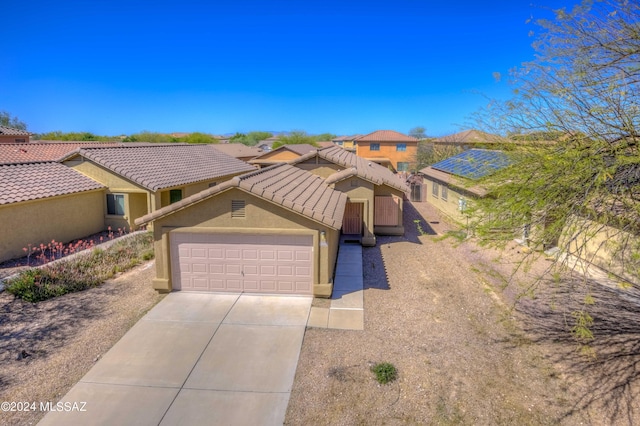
x=249 y=263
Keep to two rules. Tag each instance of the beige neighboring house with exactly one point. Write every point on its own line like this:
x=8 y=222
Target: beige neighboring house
x=375 y=194
x=238 y=150
x=11 y=135
x=40 y=202
x=451 y=185
x=273 y=230
x=282 y=153
x=141 y=178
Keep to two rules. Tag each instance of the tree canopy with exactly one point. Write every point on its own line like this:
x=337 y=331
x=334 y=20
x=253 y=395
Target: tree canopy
x=583 y=89
x=251 y=138
x=9 y=120
x=301 y=137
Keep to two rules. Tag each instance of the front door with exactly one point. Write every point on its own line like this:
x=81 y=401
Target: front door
x=352 y=221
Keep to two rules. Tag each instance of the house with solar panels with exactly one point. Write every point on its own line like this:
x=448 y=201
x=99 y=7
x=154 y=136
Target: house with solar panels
x=451 y=183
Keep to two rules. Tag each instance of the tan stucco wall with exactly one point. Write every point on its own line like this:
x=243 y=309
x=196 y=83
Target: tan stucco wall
x=450 y=206
x=388 y=150
x=280 y=155
x=214 y=215
x=600 y=244
x=138 y=200
x=63 y=219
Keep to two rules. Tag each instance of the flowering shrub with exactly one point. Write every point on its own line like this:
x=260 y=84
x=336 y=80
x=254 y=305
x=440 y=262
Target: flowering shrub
x=45 y=253
x=80 y=273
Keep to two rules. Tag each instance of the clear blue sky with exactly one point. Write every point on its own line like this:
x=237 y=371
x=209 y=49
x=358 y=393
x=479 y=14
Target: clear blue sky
x=220 y=66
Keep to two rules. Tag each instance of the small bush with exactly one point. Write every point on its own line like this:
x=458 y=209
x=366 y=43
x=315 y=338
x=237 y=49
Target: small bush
x=91 y=270
x=385 y=372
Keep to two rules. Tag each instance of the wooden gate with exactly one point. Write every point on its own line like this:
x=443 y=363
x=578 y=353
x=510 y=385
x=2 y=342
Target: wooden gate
x=352 y=221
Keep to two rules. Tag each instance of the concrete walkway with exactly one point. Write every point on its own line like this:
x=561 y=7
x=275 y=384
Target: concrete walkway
x=197 y=359
x=347 y=301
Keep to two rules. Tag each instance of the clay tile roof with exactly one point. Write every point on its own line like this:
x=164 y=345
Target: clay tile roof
x=298 y=190
x=15 y=153
x=282 y=184
x=386 y=136
x=469 y=136
x=301 y=148
x=23 y=182
x=237 y=150
x=164 y=166
x=365 y=169
x=10 y=131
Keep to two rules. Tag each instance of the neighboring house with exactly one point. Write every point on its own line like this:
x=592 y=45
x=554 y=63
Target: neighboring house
x=238 y=150
x=388 y=148
x=141 y=179
x=40 y=202
x=375 y=194
x=274 y=230
x=346 y=142
x=266 y=144
x=38 y=151
x=11 y=135
x=282 y=154
x=468 y=139
x=450 y=184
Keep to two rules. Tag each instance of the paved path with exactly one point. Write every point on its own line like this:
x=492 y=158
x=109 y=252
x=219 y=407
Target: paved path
x=197 y=359
x=347 y=301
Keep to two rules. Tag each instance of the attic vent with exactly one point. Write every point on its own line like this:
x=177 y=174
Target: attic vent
x=237 y=209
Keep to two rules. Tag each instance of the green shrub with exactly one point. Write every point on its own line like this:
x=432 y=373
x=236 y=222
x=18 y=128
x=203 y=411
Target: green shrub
x=83 y=272
x=385 y=372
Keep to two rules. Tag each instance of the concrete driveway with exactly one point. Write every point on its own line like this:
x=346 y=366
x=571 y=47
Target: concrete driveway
x=195 y=359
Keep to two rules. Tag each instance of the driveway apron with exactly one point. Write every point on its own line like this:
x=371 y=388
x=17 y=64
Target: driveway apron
x=196 y=358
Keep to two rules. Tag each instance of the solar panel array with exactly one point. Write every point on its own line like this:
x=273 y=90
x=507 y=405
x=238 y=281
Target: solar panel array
x=474 y=163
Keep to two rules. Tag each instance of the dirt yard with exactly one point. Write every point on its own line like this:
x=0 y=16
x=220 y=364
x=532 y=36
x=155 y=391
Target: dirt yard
x=64 y=337
x=440 y=310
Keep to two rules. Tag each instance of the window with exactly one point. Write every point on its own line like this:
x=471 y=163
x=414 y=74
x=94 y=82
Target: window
x=21 y=140
x=403 y=166
x=435 y=189
x=115 y=204
x=212 y=184
x=401 y=147
x=444 y=193
x=238 y=209
x=374 y=147
x=175 y=195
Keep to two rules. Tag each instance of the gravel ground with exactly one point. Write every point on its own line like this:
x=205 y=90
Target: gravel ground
x=64 y=337
x=467 y=348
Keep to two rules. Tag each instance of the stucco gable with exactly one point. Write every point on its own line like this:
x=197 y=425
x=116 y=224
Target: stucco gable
x=282 y=184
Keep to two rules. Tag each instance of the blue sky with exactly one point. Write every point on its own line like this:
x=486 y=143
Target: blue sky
x=221 y=66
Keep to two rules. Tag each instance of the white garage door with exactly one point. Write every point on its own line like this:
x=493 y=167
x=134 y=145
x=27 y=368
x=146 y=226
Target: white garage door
x=242 y=263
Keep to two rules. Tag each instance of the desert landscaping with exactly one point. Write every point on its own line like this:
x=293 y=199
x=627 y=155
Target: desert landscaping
x=438 y=307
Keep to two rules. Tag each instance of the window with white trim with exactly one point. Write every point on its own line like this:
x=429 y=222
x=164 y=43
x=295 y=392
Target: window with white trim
x=435 y=189
x=374 y=147
x=444 y=193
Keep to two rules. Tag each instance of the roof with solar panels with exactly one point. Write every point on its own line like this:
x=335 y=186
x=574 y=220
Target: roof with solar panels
x=470 y=165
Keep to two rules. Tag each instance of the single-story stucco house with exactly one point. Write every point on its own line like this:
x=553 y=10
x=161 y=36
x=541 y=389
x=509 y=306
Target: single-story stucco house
x=282 y=154
x=375 y=194
x=238 y=150
x=40 y=202
x=451 y=184
x=274 y=230
x=142 y=178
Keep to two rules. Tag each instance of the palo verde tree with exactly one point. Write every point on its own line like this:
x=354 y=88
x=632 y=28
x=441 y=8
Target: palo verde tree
x=580 y=191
